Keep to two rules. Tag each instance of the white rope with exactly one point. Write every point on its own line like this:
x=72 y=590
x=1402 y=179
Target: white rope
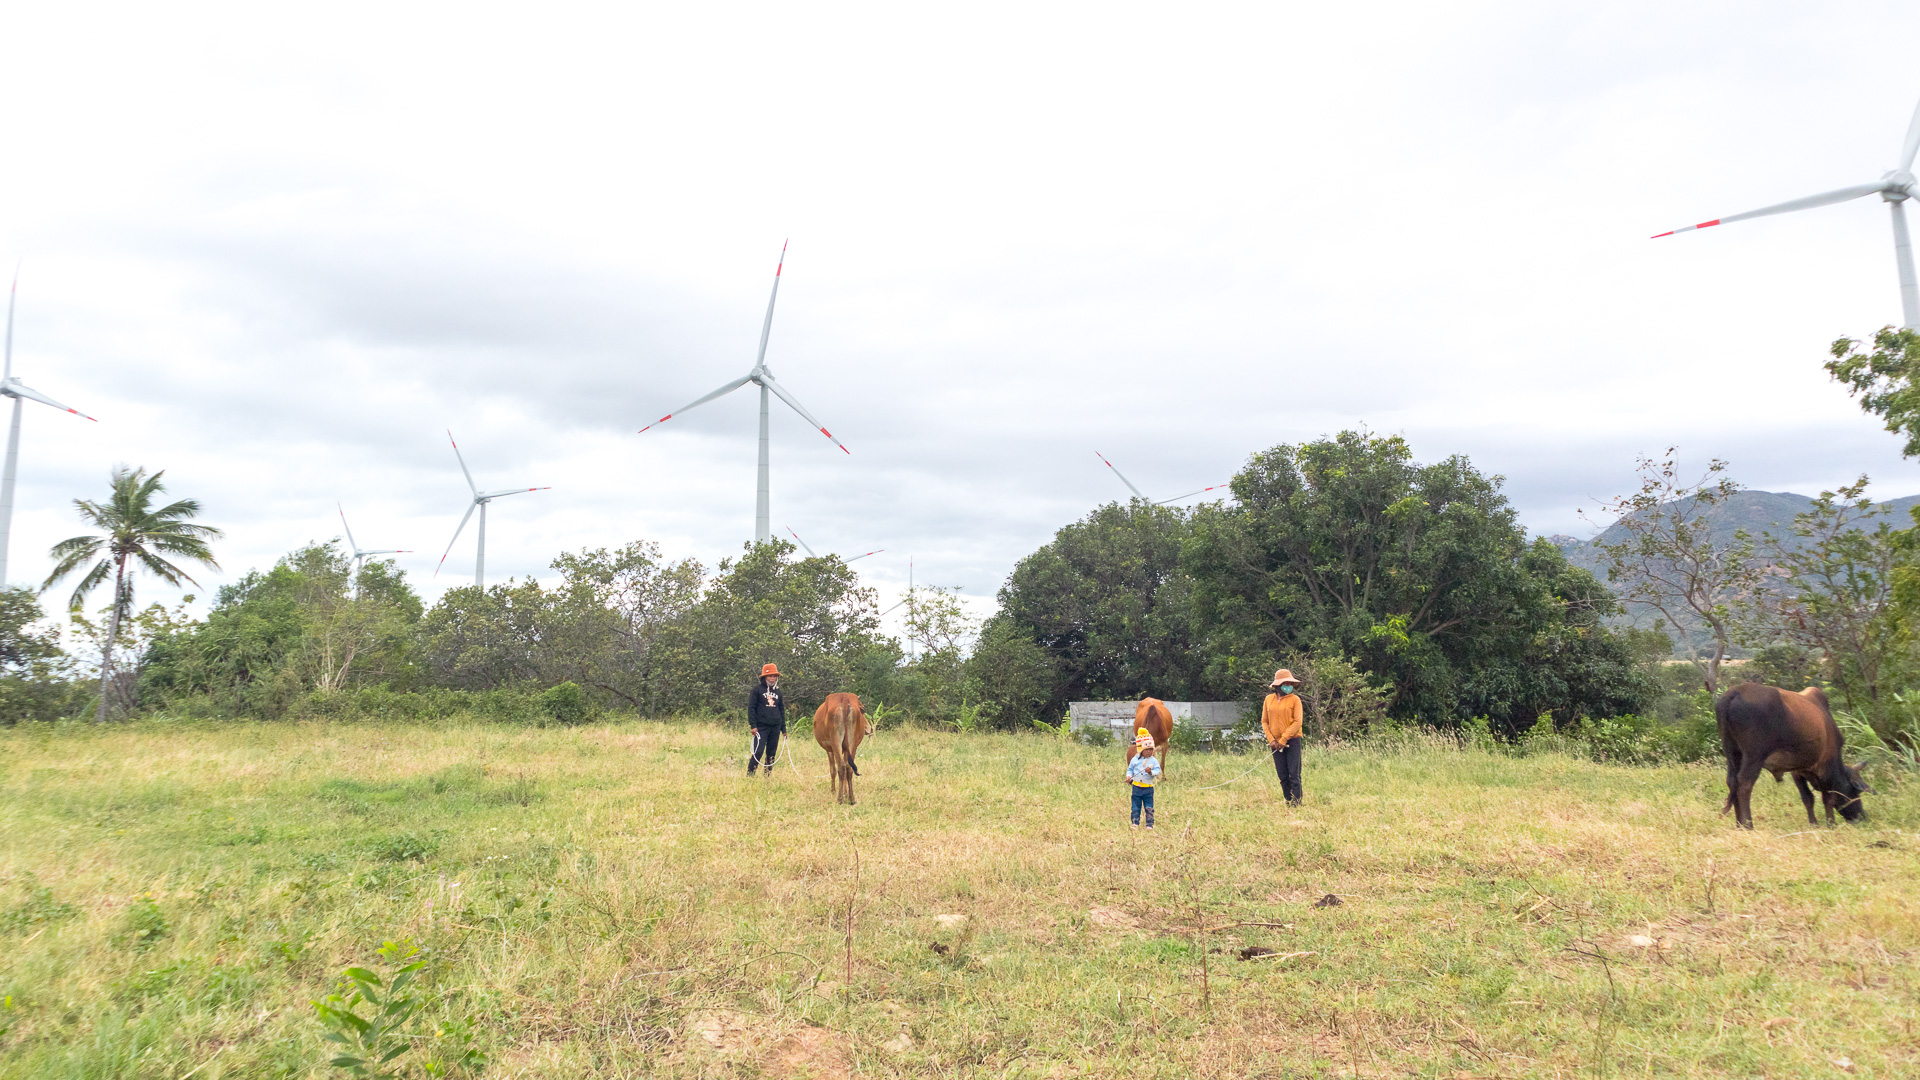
x=1242 y=776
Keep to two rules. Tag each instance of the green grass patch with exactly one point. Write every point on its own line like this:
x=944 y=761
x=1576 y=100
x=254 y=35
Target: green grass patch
x=621 y=899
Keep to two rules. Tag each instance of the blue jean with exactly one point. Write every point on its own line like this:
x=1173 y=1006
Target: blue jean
x=1143 y=797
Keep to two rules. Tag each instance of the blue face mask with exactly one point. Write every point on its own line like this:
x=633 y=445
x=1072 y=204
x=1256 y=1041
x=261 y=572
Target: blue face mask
x=1286 y=689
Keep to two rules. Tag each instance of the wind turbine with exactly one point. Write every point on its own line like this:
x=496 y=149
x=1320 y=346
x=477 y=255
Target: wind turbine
x=360 y=555
x=1143 y=497
x=19 y=392
x=761 y=377
x=811 y=555
x=1895 y=188
x=480 y=499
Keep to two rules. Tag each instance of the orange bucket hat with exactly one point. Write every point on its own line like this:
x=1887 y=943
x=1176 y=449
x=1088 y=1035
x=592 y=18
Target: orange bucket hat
x=769 y=670
x=1284 y=676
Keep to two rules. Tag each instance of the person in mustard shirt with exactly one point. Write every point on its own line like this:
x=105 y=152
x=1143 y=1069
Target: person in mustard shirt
x=1280 y=718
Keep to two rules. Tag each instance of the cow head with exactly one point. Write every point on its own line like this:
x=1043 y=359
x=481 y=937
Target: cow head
x=1845 y=796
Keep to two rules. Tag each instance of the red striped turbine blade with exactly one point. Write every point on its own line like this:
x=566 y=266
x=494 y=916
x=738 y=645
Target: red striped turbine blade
x=1685 y=228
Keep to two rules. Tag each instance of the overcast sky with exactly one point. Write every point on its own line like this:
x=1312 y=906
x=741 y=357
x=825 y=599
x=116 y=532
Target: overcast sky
x=280 y=255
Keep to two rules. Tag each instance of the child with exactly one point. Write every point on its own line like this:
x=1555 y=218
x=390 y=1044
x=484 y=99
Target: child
x=1142 y=770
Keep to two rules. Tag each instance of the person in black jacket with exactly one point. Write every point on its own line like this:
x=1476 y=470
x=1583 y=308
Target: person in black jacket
x=767 y=716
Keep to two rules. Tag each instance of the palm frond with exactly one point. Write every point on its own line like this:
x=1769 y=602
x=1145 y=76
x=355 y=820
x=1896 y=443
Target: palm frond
x=163 y=569
x=92 y=580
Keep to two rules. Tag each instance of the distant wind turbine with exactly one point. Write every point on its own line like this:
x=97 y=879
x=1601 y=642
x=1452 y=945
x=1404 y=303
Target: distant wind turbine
x=480 y=500
x=1137 y=491
x=1895 y=188
x=763 y=378
x=18 y=391
x=811 y=555
x=360 y=555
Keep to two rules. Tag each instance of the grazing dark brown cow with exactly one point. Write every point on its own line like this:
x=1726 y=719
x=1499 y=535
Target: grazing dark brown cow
x=838 y=726
x=1766 y=728
x=1152 y=714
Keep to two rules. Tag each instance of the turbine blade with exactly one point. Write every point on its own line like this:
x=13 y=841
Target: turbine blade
x=767 y=380
x=857 y=558
x=1189 y=495
x=16 y=389
x=1912 y=146
x=892 y=609
x=512 y=491
x=766 y=328
x=1118 y=473
x=463 y=467
x=389 y=551
x=343 y=524
x=722 y=392
x=1823 y=199
x=456 y=538
x=803 y=544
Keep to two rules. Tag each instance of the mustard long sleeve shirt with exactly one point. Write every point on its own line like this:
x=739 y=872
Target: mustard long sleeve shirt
x=1280 y=718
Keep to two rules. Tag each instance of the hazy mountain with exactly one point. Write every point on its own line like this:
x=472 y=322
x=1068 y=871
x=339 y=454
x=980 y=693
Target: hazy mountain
x=1754 y=511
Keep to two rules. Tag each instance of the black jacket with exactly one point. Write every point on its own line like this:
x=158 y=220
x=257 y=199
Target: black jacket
x=761 y=714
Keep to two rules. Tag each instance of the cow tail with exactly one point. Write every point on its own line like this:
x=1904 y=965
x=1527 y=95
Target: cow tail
x=843 y=724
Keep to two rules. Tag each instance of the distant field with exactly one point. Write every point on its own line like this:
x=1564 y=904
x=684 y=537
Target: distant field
x=622 y=901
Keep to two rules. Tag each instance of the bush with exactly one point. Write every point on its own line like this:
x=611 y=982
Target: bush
x=566 y=703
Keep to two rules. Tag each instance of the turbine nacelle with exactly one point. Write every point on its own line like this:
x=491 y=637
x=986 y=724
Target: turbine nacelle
x=1899 y=185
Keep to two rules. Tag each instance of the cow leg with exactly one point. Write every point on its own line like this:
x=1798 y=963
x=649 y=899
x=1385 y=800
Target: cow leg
x=1743 y=793
x=1806 y=796
x=1731 y=751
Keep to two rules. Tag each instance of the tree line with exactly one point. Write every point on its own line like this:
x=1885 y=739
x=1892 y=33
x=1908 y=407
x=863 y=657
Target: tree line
x=1403 y=591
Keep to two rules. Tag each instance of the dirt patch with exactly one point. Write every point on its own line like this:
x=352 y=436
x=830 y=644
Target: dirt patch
x=1112 y=919
x=723 y=1031
x=809 y=1052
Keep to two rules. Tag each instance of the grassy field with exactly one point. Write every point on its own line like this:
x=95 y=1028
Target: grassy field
x=621 y=900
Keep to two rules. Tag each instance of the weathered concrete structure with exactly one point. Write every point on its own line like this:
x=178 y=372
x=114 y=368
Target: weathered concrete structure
x=1117 y=716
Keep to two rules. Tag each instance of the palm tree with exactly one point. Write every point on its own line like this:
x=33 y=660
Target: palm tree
x=130 y=530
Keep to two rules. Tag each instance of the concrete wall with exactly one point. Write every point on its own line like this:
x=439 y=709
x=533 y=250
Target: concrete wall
x=1117 y=716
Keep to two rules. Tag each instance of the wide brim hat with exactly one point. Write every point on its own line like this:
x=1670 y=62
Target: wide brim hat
x=1284 y=677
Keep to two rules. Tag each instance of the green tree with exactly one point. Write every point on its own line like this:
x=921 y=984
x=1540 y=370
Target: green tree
x=611 y=620
x=35 y=673
x=1110 y=605
x=1418 y=574
x=1671 y=562
x=309 y=624
x=1830 y=591
x=810 y=616
x=1886 y=379
x=133 y=534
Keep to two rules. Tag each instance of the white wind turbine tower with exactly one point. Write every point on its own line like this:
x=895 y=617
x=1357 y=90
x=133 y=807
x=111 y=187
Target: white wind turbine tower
x=761 y=377
x=1895 y=188
x=360 y=554
x=480 y=500
x=1137 y=491
x=811 y=555
x=19 y=392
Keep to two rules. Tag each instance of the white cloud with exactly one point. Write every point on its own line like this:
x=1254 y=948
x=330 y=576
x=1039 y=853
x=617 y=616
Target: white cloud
x=279 y=255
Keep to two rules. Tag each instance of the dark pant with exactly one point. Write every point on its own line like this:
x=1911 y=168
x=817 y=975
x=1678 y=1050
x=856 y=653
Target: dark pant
x=766 y=743
x=1286 y=765
x=1143 y=797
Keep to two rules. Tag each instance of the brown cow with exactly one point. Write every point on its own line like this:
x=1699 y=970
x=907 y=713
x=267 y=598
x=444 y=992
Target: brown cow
x=1766 y=728
x=838 y=726
x=1152 y=714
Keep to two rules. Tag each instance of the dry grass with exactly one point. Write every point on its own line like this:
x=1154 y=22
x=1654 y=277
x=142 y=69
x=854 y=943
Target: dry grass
x=622 y=901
